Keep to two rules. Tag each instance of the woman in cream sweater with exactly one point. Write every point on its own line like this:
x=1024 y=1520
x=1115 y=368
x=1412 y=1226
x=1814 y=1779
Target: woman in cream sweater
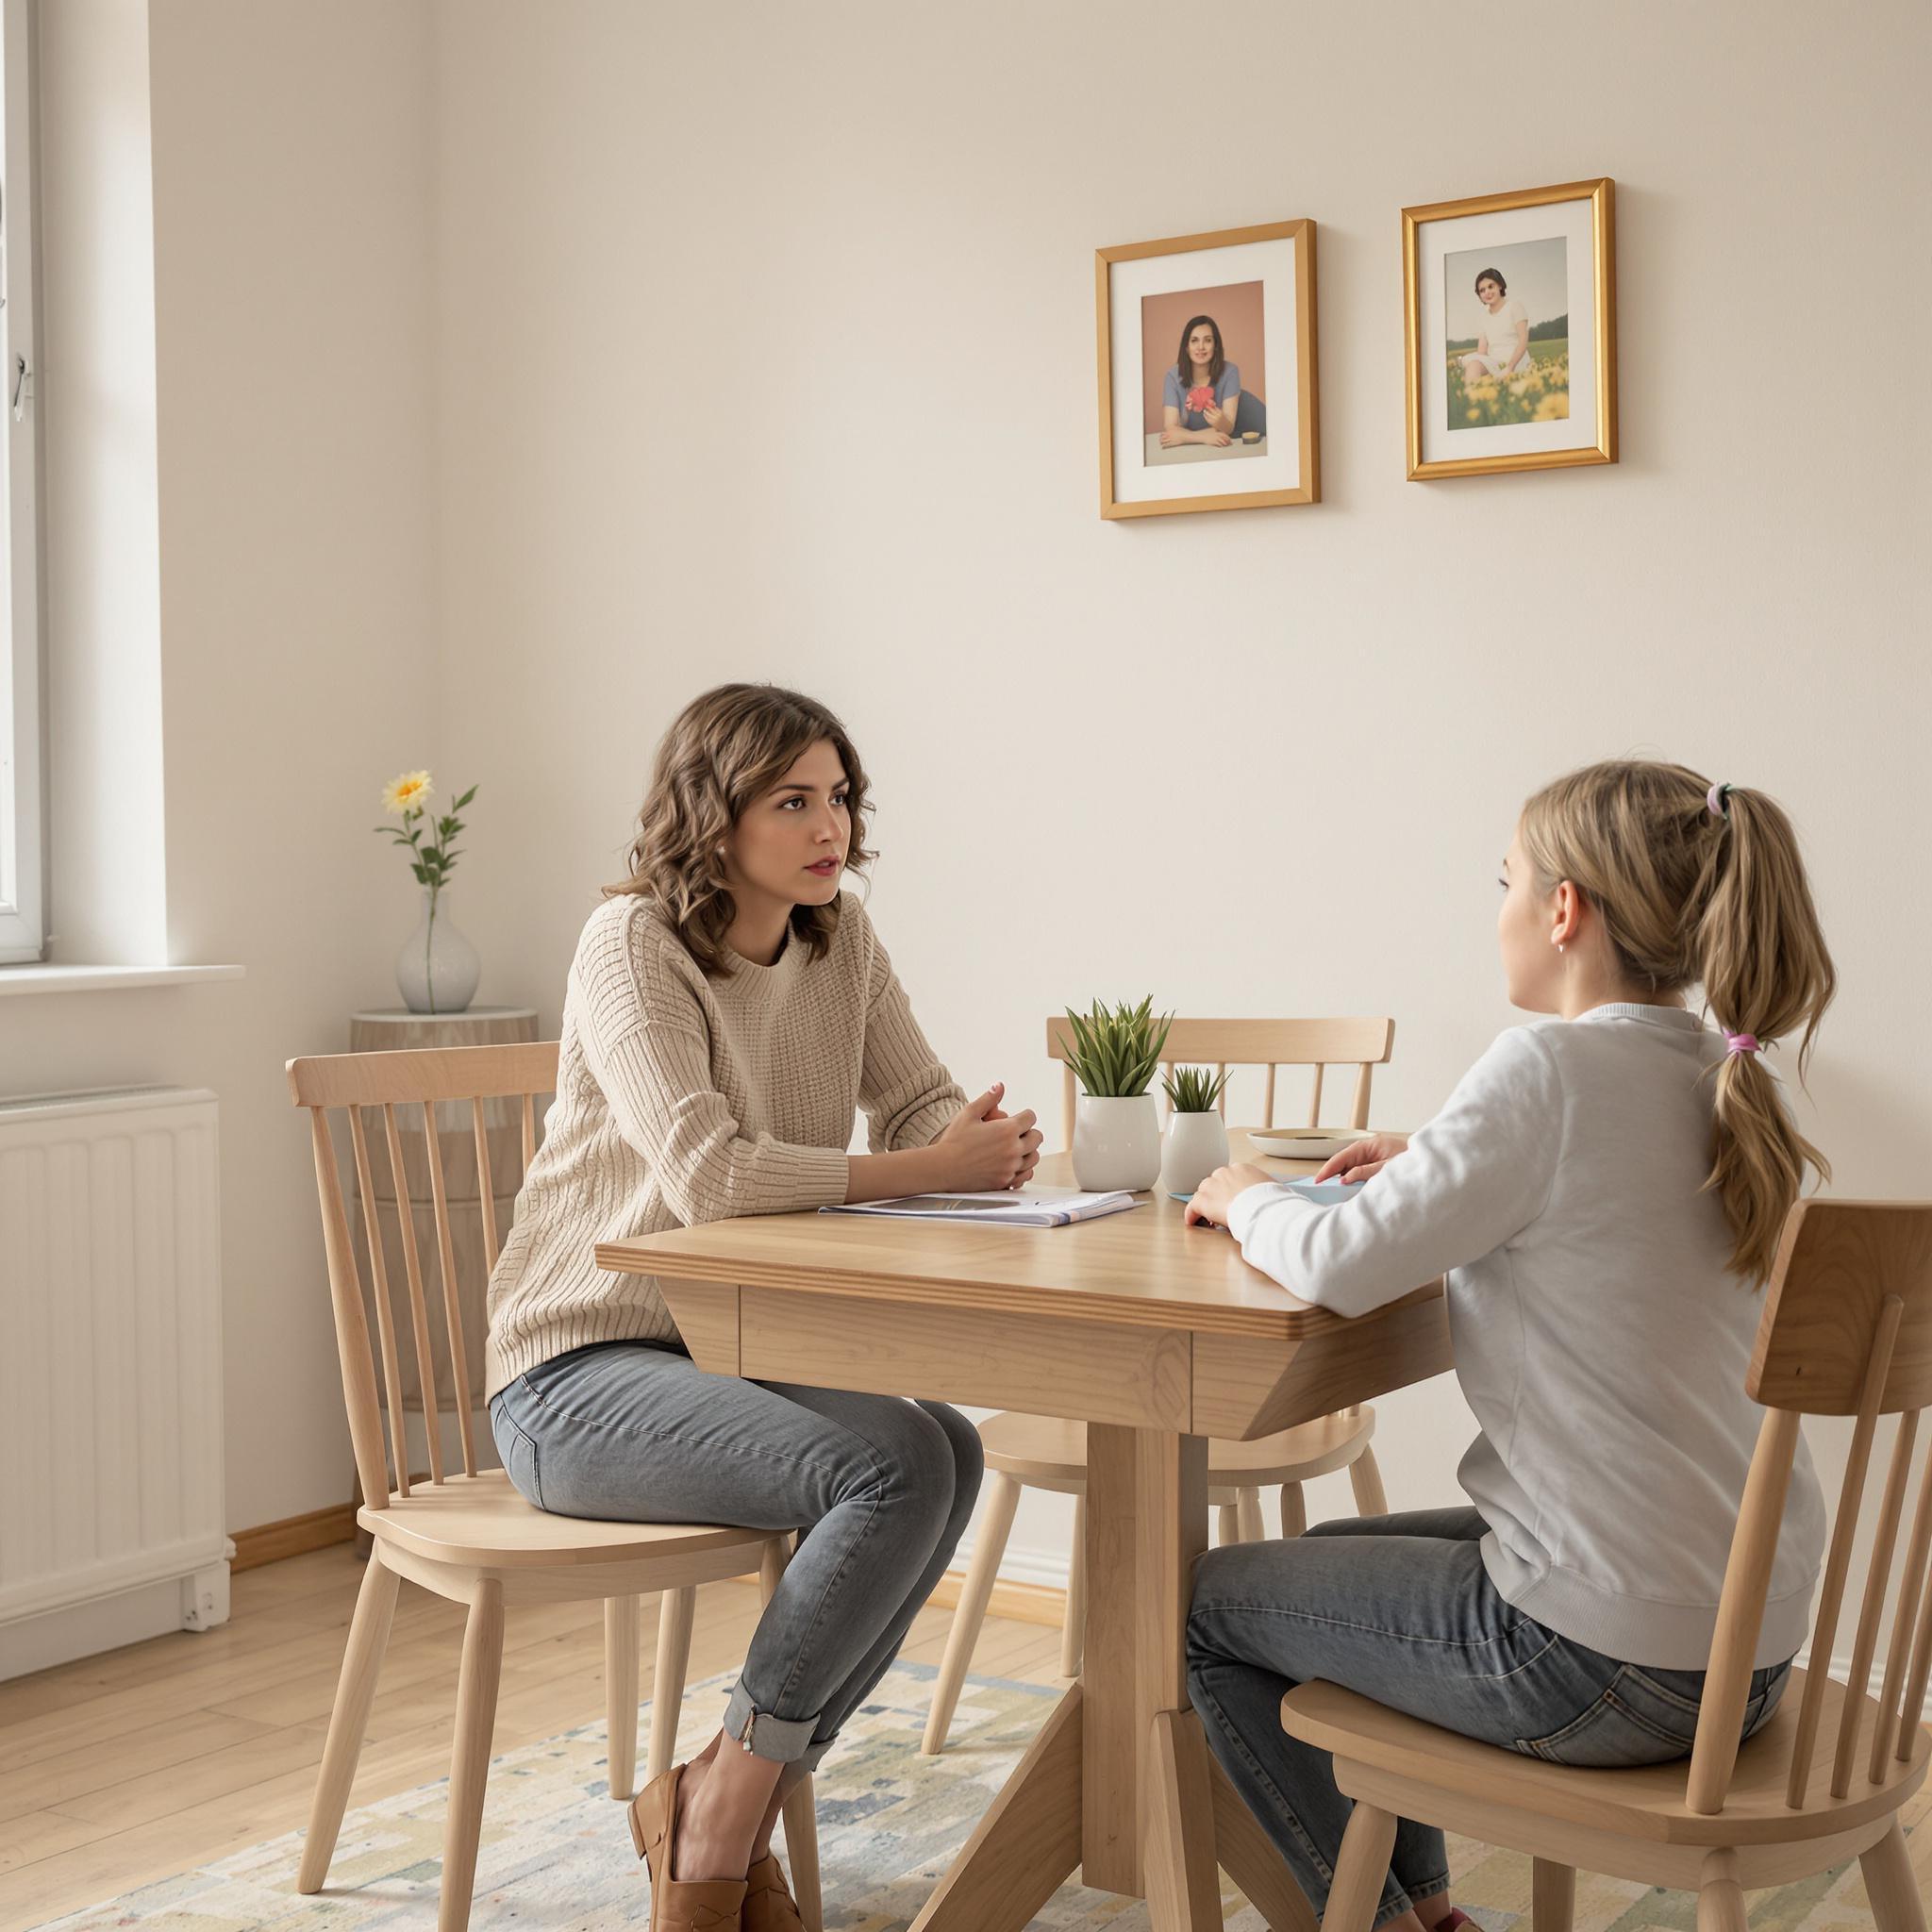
x=727 y=1011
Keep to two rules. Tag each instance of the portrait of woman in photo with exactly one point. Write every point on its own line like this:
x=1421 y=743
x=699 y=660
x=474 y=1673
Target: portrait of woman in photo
x=1202 y=396
x=1502 y=348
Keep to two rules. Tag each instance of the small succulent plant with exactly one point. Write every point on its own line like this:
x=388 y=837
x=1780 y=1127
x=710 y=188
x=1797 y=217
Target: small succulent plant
x=1193 y=1089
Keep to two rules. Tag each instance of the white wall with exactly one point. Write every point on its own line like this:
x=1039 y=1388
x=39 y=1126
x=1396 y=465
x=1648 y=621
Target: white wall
x=448 y=296
x=766 y=349
x=288 y=331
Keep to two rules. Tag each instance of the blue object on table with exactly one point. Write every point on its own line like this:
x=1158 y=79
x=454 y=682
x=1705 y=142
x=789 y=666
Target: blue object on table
x=1327 y=1192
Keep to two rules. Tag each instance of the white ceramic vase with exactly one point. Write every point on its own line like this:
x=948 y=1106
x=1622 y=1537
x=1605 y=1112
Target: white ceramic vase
x=1116 y=1142
x=437 y=969
x=1196 y=1145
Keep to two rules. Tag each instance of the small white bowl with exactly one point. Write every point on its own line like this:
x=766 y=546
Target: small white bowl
x=1304 y=1144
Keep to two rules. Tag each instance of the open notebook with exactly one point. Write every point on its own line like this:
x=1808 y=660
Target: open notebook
x=1028 y=1208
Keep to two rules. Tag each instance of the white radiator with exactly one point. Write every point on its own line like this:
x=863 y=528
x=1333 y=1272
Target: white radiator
x=111 y=1512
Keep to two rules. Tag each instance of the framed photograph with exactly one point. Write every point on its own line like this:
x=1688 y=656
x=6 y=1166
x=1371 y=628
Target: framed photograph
x=1511 y=305
x=1206 y=353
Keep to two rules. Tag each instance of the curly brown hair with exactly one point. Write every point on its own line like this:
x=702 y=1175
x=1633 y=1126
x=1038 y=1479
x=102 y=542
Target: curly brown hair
x=726 y=750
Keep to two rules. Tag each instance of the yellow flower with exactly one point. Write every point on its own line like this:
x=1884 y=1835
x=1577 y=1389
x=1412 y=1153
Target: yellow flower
x=1553 y=408
x=407 y=793
x=1475 y=415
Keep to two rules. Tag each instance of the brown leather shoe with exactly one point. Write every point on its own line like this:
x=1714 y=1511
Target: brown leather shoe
x=768 y=1906
x=678 y=1904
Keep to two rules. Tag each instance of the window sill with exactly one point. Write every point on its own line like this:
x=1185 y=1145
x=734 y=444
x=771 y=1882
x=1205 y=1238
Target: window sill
x=29 y=978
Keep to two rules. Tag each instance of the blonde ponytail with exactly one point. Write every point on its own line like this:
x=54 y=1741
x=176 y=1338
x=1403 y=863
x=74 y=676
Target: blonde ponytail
x=1762 y=962
x=1703 y=885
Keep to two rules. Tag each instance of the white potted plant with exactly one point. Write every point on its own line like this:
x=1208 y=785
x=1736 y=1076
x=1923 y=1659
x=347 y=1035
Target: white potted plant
x=1116 y=1134
x=1196 y=1136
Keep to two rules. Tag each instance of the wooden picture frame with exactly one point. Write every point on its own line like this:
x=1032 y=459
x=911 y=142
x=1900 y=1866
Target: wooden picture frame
x=1470 y=410
x=1264 y=276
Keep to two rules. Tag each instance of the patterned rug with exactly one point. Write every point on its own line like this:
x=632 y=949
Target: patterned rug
x=555 y=1853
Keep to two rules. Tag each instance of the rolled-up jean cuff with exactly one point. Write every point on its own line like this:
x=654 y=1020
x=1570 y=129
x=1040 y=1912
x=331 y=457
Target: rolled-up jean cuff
x=782 y=1740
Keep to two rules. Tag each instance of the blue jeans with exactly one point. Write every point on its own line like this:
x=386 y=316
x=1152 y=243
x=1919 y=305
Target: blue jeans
x=635 y=1432
x=1401 y=1610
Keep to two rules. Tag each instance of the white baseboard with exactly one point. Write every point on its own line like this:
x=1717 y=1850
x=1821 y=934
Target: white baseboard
x=1046 y=1569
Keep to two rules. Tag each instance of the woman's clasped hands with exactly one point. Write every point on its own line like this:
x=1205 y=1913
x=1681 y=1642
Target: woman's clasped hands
x=987 y=1149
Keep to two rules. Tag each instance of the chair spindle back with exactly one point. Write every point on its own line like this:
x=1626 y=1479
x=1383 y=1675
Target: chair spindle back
x=407 y=1089
x=1363 y=1044
x=1846 y=1330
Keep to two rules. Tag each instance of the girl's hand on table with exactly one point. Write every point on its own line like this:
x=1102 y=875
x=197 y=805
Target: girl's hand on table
x=1213 y=1197
x=1170 y=437
x=986 y=1149
x=1361 y=1158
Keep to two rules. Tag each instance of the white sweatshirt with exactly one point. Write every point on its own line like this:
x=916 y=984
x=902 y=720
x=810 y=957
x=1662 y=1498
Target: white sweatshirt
x=1598 y=1336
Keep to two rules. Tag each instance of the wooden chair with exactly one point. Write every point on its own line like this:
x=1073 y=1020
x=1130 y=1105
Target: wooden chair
x=1846 y=1330
x=1044 y=1453
x=471 y=1536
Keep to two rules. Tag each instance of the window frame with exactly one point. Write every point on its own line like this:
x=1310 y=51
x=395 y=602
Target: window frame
x=23 y=666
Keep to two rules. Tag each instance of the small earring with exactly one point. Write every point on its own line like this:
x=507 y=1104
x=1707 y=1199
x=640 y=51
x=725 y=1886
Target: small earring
x=1559 y=946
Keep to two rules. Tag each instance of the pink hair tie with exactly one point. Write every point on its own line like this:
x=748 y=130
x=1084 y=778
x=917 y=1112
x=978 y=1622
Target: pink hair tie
x=1741 y=1042
x=1717 y=801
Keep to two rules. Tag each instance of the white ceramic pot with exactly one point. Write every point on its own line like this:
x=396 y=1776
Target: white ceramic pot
x=1196 y=1145
x=437 y=969
x=1116 y=1142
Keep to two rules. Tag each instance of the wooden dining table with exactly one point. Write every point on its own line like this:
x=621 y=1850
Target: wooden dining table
x=1157 y=1335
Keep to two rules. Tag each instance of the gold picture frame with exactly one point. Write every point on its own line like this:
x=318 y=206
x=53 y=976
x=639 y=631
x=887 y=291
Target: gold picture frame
x=1277 y=257
x=1435 y=387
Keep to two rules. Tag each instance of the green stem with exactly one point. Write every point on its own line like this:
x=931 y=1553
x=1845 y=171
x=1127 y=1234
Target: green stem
x=429 y=951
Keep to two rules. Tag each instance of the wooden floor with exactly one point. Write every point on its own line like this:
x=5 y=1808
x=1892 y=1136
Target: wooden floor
x=129 y=1766
x=124 y=1767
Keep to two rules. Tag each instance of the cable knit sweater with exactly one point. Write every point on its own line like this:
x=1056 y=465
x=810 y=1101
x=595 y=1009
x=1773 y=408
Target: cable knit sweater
x=682 y=1099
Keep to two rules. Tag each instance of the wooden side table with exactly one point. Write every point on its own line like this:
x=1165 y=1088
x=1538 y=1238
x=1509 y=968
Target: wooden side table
x=398 y=1030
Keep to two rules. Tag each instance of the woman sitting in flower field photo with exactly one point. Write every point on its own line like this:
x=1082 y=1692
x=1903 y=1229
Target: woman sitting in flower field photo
x=1517 y=368
x=1502 y=348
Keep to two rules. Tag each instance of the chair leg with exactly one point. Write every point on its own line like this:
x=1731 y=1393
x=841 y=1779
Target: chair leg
x=1001 y=1499
x=675 y=1609
x=1227 y=1524
x=1361 y=1870
x=1073 y=1625
x=1365 y=1480
x=621 y=1693
x=800 y=1813
x=1553 y=1896
x=1720 y=1897
x=1294 y=1509
x=1248 y=1508
x=376 y=1605
x=1890 y=1886
x=477 y=1685
x=772 y=1565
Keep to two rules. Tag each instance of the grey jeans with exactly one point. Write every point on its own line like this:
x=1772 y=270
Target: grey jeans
x=881 y=1489
x=1401 y=1610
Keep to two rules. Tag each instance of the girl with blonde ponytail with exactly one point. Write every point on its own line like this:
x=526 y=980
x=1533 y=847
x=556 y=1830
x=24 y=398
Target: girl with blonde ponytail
x=1598 y=1191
